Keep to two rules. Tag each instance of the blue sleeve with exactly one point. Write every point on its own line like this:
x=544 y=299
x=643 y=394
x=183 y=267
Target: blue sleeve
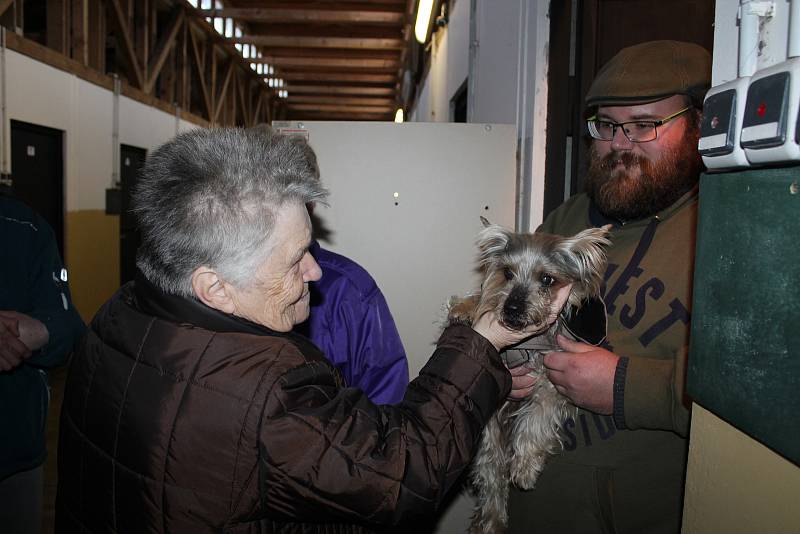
x=50 y=301
x=365 y=345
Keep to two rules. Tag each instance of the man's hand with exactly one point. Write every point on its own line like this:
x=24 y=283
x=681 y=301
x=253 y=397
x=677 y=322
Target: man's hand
x=32 y=331
x=521 y=382
x=501 y=337
x=12 y=350
x=583 y=373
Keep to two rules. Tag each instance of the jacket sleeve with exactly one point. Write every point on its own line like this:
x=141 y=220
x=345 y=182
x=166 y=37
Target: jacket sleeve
x=369 y=338
x=652 y=394
x=333 y=455
x=50 y=301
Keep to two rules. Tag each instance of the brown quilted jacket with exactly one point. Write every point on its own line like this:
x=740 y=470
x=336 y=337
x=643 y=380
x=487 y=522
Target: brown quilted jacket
x=178 y=418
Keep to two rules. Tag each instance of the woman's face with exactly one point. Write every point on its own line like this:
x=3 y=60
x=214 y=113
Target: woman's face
x=278 y=297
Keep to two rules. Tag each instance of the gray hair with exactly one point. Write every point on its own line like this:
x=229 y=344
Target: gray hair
x=209 y=197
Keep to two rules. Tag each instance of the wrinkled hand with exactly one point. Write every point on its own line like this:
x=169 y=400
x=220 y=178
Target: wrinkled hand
x=12 y=350
x=501 y=337
x=583 y=373
x=521 y=382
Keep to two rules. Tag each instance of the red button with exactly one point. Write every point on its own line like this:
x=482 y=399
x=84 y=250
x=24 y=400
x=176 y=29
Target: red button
x=762 y=109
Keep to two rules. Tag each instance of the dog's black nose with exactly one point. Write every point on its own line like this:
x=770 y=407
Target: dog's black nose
x=514 y=309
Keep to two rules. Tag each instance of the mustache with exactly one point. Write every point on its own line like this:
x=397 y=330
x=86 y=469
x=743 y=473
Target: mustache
x=610 y=160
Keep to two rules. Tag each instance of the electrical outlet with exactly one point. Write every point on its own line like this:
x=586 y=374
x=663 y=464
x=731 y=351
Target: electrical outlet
x=723 y=111
x=770 y=117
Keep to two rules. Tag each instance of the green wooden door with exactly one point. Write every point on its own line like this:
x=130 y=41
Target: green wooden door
x=744 y=361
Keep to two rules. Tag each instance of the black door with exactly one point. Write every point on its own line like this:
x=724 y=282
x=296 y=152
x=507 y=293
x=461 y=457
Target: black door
x=130 y=161
x=37 y=172
x=458 y=104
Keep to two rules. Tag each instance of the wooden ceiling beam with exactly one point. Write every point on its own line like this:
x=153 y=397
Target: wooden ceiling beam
x=333 y=30
x=120 y=19
x=341 y=108
x=341 y=90
x=184 y=67
x=360 y=43
x=344 y=14
x=225 y=83
x=333 y=116
x=80 y=30
x=345 y=53
x=322 y=76
x=243 y=101
x=259 y=102
x=57 y=32
x=305 y=99
x=199 y=62
x=162 y=49
x=339 y=58
x=344 y=63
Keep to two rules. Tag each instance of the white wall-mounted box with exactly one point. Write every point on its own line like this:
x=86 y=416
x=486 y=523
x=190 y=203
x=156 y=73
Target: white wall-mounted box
x=770 y=118
x=723 y=113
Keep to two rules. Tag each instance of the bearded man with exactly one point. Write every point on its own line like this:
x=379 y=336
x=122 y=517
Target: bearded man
x=624 y=457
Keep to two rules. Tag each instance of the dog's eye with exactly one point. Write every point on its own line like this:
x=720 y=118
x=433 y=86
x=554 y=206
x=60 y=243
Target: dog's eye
x=508 y=274
x=547 y=280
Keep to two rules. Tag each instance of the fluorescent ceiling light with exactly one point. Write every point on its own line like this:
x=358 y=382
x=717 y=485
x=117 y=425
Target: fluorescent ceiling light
x=424 y=12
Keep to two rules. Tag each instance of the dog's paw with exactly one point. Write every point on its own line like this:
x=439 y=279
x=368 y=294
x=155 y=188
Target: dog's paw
x=460 y=310
x=525 y=470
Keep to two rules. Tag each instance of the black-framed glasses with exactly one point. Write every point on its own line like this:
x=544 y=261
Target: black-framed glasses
x=635 y=131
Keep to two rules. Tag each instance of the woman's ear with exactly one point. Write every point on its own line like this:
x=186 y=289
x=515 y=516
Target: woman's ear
x=212 y=291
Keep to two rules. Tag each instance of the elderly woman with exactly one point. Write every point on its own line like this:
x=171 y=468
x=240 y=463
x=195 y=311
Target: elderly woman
x=191 y=407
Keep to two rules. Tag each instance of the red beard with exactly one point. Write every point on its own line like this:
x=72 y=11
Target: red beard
x=629 y=187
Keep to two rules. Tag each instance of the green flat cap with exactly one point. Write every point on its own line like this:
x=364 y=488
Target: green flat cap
x=650 y=71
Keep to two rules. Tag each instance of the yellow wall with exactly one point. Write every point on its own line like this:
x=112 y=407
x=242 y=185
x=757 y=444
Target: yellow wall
x=735 y=484
x=92 y=256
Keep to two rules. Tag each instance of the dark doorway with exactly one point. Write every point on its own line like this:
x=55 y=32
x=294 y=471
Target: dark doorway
x=37 y=172
x=458 y=104
x=584 y=35
x=131 y=159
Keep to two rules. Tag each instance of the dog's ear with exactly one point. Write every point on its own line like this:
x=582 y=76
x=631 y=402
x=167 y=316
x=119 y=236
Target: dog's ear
x=585 y=251
x=492 y=241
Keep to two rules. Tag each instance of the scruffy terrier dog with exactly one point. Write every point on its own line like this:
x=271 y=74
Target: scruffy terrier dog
x=521 y=274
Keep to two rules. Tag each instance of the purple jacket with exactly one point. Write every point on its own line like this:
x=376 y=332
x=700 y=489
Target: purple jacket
x=350 y=321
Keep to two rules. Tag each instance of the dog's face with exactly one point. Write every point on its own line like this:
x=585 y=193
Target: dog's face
x=522 y=272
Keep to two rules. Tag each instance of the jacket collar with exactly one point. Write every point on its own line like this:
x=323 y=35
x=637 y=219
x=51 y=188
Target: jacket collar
x=153 y=301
